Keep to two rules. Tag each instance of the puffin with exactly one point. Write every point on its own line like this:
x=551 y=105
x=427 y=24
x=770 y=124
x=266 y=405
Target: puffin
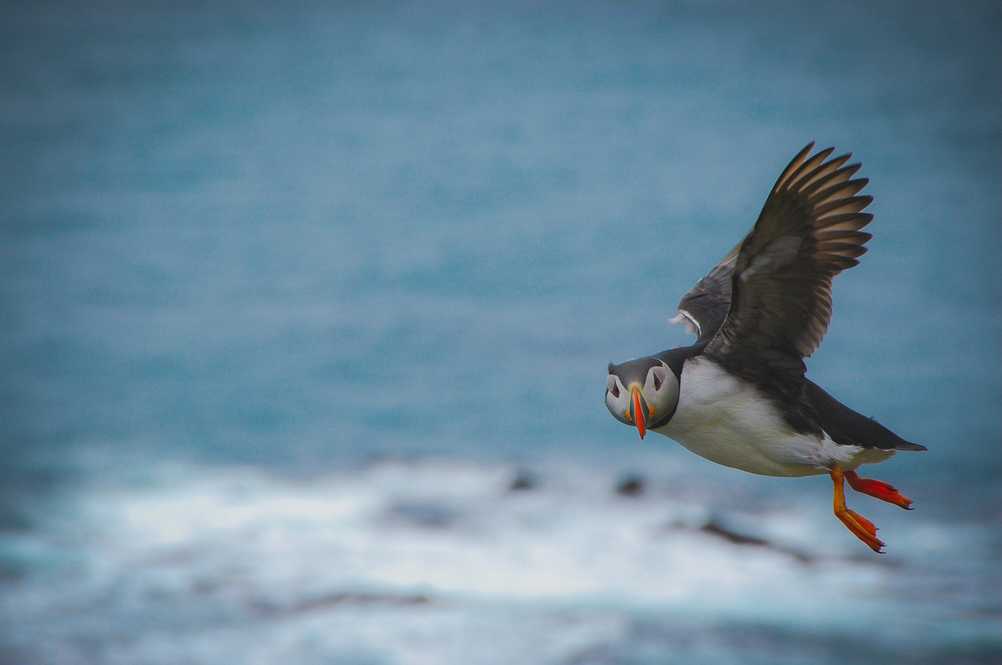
x=739 y=396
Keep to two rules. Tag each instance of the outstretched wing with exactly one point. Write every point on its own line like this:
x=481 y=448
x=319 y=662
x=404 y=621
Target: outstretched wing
x=780 y=299
x=706 y=304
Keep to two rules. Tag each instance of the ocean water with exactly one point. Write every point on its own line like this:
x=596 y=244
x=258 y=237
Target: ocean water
x=307 y=312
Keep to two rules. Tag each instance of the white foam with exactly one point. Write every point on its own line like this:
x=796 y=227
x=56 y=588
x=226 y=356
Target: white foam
x=202 y=545
x=572 y=537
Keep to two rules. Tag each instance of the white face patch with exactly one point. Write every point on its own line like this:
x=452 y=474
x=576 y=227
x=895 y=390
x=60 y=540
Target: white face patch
x=617 y=398
x=660 y=392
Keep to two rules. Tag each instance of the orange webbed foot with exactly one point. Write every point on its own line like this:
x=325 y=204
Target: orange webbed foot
x=864 y=523
x=860 y=527
x=878 y=489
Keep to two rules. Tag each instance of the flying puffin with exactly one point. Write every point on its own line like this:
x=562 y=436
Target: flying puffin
x=739 y=395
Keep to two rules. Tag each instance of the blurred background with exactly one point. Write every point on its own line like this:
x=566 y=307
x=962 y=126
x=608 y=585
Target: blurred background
x=307 y=310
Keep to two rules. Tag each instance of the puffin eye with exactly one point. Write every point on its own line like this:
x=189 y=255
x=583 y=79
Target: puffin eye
x=615 y=390
x=659 y=377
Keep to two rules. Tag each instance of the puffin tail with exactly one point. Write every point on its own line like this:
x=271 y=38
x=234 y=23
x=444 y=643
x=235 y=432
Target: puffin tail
x=908 y=445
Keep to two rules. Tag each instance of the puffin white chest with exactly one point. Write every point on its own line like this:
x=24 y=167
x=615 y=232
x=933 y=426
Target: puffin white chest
x=731 y=422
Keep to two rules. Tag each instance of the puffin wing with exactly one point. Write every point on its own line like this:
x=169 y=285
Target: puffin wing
x=780 y=285
x=705 y=306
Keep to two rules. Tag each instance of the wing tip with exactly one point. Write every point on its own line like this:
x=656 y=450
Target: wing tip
x=794 y=164
x=684 y=318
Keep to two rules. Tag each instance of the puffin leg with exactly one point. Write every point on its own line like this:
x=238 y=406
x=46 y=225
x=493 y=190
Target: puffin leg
x=878 y=489
x=860 y=527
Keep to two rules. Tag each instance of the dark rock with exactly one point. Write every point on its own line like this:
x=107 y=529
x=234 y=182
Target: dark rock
x=357 y=599
x=336 y=600
x=716 y=529
x=631 y=484
x=422 y=514
x=523 y=481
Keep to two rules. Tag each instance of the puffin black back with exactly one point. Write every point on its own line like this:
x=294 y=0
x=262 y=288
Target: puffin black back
x=849 y=427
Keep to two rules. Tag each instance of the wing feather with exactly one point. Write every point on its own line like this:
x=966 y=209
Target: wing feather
x=704 y=307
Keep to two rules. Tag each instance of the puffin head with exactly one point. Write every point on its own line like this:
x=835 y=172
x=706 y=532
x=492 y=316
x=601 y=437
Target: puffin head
x=642 y=392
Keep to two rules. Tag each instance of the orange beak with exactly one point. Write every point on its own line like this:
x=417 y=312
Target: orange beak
x=639 y=417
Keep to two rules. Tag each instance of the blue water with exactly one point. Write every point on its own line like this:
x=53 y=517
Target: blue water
x=291 y=295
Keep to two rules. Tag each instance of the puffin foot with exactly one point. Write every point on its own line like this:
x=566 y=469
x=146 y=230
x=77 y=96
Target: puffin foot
x=860 y=527
x=878 y=489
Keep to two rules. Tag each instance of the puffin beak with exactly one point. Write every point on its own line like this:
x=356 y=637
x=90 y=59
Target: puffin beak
x=639 y=417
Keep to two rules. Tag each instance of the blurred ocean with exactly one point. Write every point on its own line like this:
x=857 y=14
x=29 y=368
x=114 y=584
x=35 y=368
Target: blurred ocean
x=306 y=313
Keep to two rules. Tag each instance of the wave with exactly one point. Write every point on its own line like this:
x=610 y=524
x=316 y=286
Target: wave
x=382 y=551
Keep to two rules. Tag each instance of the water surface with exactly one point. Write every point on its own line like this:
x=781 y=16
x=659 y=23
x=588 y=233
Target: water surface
x=291 y=296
